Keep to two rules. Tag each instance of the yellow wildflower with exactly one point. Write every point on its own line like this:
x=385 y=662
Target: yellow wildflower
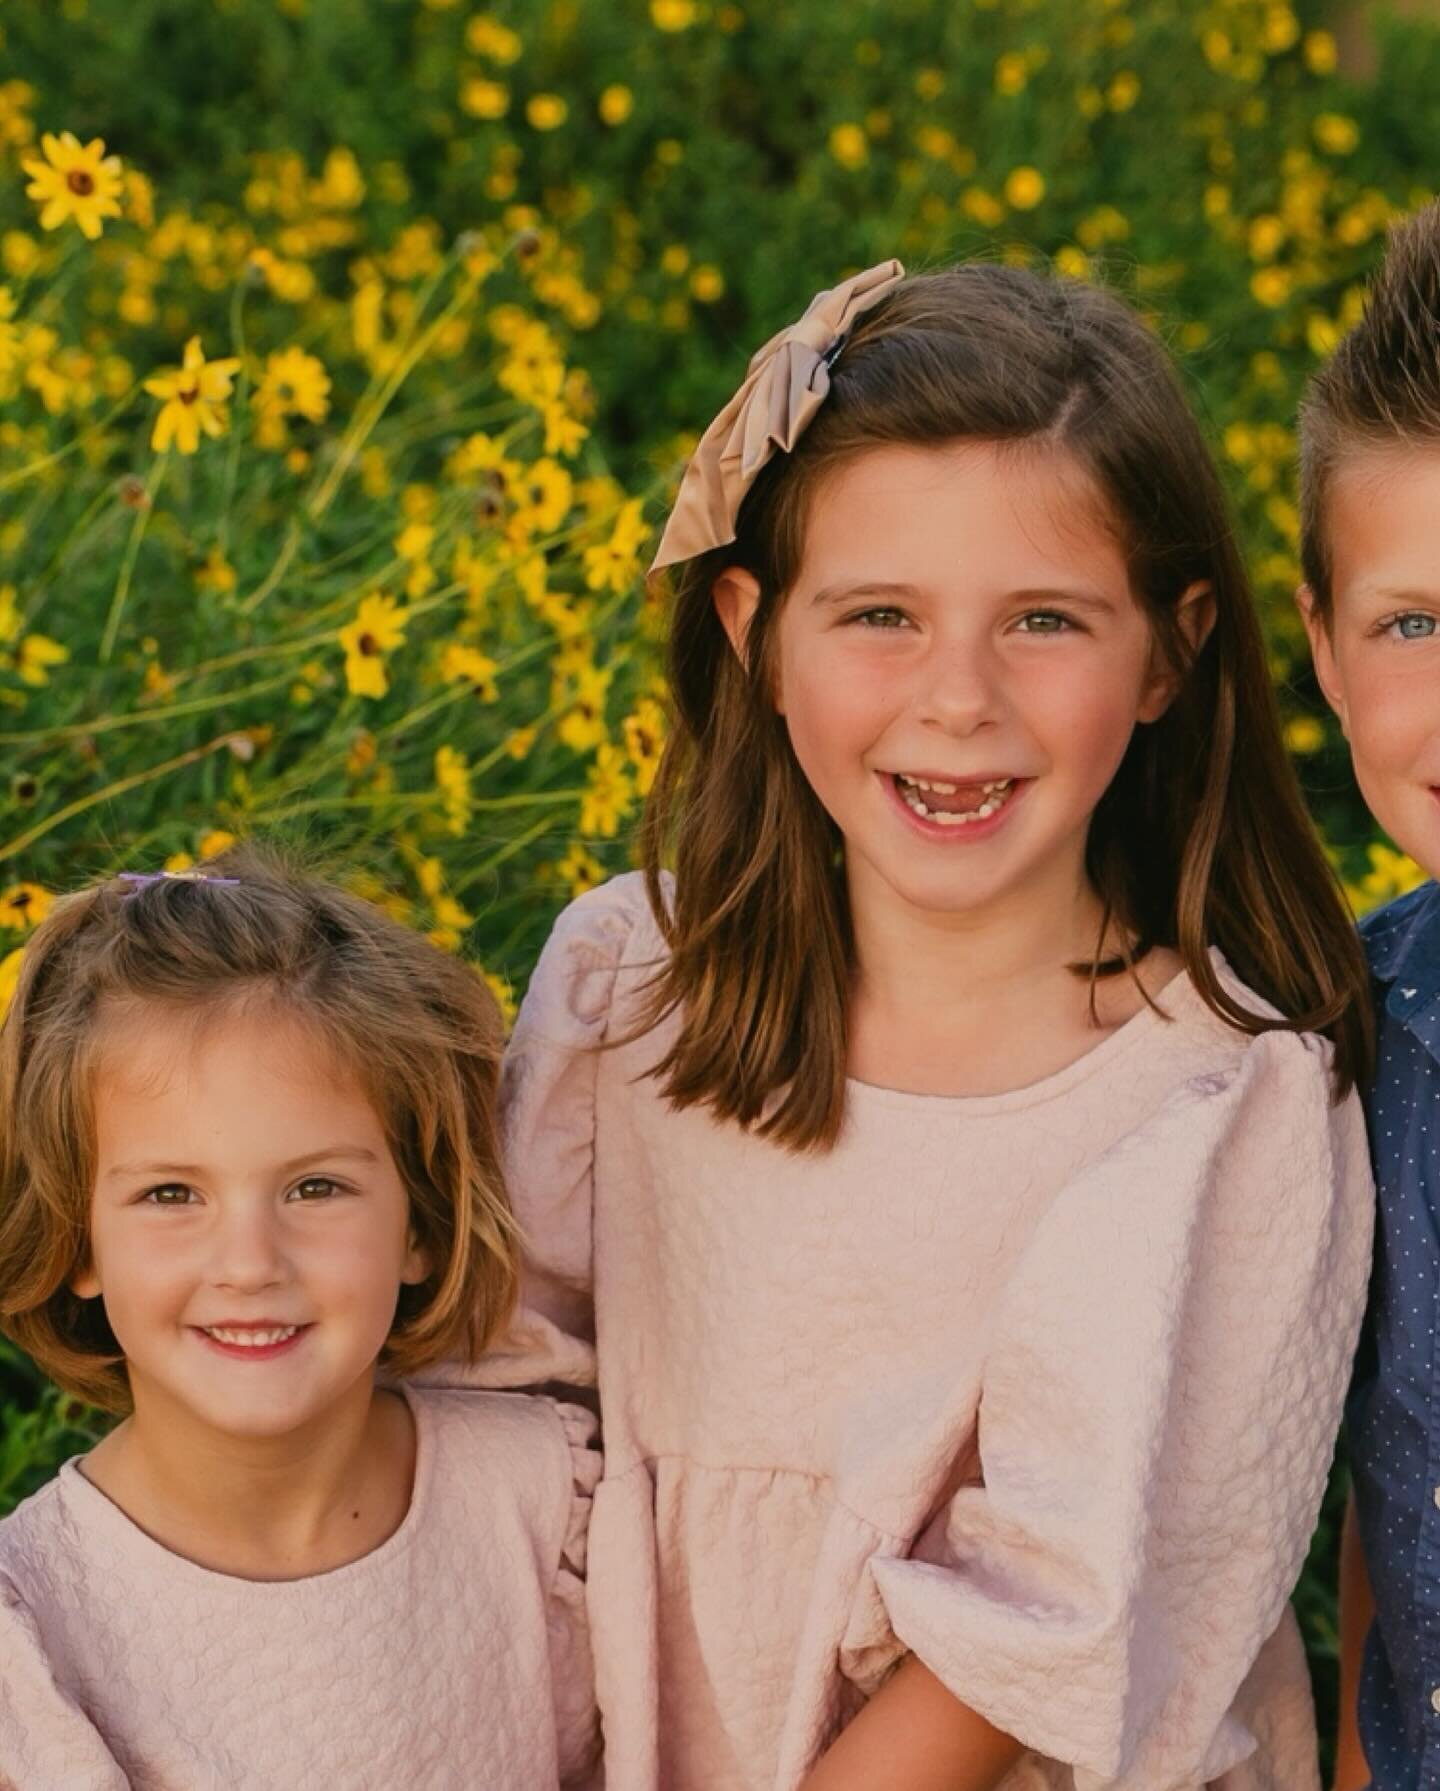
x=608 y=793
x=24 y=905
x=452 y=780
x=11 y=621
x=500 y=987
x=459 y=662
x=580 y=869
x=616 y=104
x=564 y=434
x=1024 y=188
x=582 y=727
x=486 y=36
x=673 y=15
x=707 y=284
x=519 y=741
x=378 y=627
x=76 y=183
x=1336 y=134
x=1322 y=53
x=644 y=732
x=1271 y=286
x=9 y=334
x=543 y=497
x=294 y=384
x=546 y=111
x=213 y=843
x=217 y=574
x=1123 y=91
x=10 y=977
x=1304 y=734
x=849 y=145
x=194 y=397
x=34 y=657
x=615 y=566
x=1012 y=72
x=484 y=99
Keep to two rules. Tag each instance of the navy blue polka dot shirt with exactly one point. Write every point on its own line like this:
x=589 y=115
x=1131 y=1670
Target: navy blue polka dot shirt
x=1393 y=1418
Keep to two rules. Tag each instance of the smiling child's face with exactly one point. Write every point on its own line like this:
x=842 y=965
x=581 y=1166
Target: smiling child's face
x=1378 y=660
x=962 y=664
x=250 y=1230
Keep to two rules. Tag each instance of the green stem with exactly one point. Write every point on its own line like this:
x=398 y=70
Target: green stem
x=132 y=549
x=34 y=467
x=120 y=788
x=79 y=730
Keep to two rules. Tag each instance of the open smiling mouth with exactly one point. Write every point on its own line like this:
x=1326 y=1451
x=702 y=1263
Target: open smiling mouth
x=954 y=804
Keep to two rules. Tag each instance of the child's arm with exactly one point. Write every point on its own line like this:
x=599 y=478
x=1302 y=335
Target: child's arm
x=914 y=1736
x=45 y=1737
x=1357 y=1610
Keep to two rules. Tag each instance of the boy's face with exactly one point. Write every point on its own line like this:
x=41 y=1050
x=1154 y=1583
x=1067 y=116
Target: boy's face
x=1378 y=661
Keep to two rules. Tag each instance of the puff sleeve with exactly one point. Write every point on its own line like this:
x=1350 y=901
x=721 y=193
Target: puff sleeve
x=547 y=1101
x=45 y=1737
x=1154 y=1437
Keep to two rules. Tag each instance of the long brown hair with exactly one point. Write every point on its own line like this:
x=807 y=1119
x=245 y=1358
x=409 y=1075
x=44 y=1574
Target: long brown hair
x=417 y=1027
x=1201 y=839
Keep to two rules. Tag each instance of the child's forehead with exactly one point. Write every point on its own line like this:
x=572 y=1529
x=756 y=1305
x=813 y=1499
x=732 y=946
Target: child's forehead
x=155 y=1045
x=1383 y=522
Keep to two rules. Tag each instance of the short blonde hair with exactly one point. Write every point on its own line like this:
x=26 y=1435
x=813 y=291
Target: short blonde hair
x=419 y=1028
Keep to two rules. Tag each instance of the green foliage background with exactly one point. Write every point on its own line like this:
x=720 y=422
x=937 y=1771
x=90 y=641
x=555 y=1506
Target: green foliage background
x=659 y=186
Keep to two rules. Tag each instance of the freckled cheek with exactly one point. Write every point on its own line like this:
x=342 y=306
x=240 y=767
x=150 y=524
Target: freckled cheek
x=835 y=714
x=1082 y=731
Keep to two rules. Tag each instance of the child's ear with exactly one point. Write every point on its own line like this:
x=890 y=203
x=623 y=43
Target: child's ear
x=417 y=1266
x=1195 y=617
x=1322 y=652
x=736 y=596
x=85 y=1282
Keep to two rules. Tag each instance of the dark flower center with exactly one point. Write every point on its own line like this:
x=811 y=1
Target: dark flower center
x=369 y=645
x=80 y=182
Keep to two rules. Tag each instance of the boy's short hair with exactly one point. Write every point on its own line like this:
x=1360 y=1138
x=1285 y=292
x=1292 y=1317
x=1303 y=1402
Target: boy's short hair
x=418 y=1028
x=1380 y=389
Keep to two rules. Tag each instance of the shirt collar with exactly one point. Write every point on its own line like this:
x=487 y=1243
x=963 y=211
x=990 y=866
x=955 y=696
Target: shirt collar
x=1402 y=942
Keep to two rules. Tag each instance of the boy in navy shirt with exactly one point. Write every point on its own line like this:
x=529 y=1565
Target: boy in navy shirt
x=1370 y=499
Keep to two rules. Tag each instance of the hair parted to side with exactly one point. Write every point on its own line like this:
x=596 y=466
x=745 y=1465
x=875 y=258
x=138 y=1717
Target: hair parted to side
x=418 y=1029
x=1380 y=389
x=1201 y=838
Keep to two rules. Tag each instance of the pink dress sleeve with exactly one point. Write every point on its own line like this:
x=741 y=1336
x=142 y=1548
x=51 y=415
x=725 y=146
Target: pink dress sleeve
x=1159 y=1408
x=547 y=1097
x=45 y=1738
x=571 y=1668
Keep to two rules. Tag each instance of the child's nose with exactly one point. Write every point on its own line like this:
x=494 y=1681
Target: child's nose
x=247 y=1248
x=959 y=691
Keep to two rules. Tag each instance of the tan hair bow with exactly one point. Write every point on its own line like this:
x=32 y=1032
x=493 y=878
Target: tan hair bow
x=787 y=382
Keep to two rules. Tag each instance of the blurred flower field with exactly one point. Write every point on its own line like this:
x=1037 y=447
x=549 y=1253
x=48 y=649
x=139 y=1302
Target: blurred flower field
x=348 y=349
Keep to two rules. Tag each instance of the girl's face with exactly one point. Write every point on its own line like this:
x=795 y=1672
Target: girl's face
x=961 y=667
x=249 y=1229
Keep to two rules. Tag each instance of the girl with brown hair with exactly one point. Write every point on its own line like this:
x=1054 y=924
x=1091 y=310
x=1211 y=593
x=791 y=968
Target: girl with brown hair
x=948 y=1162
x=247 y=1164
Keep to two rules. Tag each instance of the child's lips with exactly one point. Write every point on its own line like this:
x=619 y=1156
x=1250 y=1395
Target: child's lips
x=252 y=1342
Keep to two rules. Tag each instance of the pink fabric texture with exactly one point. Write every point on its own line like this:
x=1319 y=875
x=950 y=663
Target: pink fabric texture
x=1040 y=1386
x=455 y=1655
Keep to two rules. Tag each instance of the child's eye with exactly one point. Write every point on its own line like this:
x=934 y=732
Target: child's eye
x=169 y=1194
x=1044 y=621
x=315 y=1187
x=880 y=618
x=1414 y=625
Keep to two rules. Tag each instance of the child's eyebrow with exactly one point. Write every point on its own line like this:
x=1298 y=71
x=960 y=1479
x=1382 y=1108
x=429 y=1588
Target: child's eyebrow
x=843 y=593
x=357 y=1153
x=866 y=588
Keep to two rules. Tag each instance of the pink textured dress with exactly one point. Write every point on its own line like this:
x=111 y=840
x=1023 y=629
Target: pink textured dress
x=453 y=1657
x=1041 y=1387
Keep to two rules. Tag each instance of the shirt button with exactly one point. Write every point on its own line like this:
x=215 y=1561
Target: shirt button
x=1435 y=1699
x=1437 y=1495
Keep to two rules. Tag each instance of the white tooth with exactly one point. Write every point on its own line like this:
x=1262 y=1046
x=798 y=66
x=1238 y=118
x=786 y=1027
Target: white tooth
x=945 y=789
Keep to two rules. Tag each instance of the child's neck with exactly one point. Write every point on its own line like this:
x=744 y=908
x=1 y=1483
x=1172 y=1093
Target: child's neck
x=263 y=1508
x=982 y=1003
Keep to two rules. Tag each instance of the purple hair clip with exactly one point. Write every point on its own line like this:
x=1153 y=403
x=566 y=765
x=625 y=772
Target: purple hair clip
x=143 y=879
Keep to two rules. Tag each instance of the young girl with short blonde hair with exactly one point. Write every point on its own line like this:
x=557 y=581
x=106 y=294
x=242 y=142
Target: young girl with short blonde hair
x=247 y=1164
